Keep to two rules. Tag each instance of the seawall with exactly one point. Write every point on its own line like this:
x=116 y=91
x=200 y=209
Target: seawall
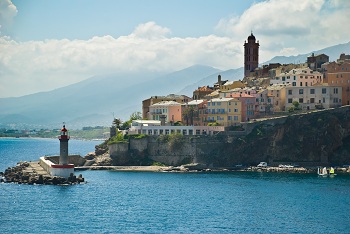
x=319 y=138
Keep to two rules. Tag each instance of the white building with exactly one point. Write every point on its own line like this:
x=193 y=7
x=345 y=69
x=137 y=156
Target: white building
x=298 y=77
x=313 y=97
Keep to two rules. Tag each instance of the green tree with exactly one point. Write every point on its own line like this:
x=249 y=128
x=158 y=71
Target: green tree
x=117 y=122
x=296 y=105
x=134 y=116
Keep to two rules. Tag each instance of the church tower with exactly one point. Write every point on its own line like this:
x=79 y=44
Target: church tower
x=251 y=55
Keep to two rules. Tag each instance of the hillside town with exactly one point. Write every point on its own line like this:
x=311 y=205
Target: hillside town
x=265 y=92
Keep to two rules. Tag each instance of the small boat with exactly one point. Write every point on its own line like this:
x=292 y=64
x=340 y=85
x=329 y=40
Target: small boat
x=322 y=171
x=331 y=172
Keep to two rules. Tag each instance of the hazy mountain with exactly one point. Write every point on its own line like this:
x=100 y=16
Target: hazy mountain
x=96 y=100
x=232 y=74
x=333 y=52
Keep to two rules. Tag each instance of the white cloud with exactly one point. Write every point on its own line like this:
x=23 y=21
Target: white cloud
x=281 y=24
x=7 y=12
x=283 y=28
x=150 y=30
x=43 y=65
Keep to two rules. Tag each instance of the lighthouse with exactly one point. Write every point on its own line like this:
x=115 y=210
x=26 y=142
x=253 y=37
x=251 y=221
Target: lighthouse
x=63 y=168
x=64 y=138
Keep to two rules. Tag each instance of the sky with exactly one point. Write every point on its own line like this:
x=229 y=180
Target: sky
x=50 y=44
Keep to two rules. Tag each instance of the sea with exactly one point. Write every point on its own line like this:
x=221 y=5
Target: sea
x=158 y=202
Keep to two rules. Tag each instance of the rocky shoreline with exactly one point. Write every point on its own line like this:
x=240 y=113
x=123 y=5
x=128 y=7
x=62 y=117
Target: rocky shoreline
x=32 y=173
x=201 y=168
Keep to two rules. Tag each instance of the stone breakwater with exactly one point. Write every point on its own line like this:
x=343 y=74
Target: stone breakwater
x=32 y=173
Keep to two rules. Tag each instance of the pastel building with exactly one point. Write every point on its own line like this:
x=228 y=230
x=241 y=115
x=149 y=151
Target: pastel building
x=232 y=85
x=248 y=105
x=201 y=92
x=338 y=74
x=194 y=113
x=225 y=111
x=278 y=92
x=314 y=97
x=155 y=99
x=263 y=102
x=171 y=110
x=298 y=77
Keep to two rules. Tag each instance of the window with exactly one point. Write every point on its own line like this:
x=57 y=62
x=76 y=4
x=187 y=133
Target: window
x=301 y=83
x=229 y=110
x=229 y=117
x=335 y=90
x=235 y=118
x=335 y=100
x=305 y=83
x=208 y=103
x=269 y=100
x=262 y=100
x=219 y=103
x=290 y=92
x=312 y=100
x=294 y=78
x=283 y=78
x=236 y=110
x=301 y=91
x=257 y=100
x=294 y=83
x=290 y=100
x=324 y=90
x=312 y=91
x=301 y=100
x=213 y=104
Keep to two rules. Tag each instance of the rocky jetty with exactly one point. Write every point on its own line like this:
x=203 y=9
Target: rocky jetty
x=33 y=173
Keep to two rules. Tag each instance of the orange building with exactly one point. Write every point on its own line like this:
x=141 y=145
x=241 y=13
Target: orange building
x=338 y=74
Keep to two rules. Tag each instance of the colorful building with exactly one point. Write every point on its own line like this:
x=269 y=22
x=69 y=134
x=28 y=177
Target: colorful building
x=169 y=109
x=338 y=74
x=155 y=99
x=194 y=113
x=225 y=111
x=321 y=96
x=248 y=105
x=298 y=77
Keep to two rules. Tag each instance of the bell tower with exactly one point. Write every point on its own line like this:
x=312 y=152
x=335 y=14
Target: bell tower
x=251 y=55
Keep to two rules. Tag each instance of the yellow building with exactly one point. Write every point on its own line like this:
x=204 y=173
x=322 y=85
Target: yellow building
x=232 y=85
x=225 y=111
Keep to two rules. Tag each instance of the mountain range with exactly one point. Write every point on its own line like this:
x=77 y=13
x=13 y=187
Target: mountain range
x=97 y=100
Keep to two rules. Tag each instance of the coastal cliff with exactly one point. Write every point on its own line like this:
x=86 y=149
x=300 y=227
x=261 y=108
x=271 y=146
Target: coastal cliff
x=309 y=139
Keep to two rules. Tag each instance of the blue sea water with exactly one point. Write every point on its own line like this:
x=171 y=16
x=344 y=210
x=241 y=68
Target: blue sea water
x=148 y=202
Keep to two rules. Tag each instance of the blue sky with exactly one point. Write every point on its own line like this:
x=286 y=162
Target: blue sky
x=49 y=44
x=84 y=19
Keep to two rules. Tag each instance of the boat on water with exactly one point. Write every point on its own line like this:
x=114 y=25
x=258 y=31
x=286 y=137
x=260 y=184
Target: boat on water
x=324 y=172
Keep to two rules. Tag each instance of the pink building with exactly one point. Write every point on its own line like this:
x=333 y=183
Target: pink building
x=248 y=102
x=170 y=109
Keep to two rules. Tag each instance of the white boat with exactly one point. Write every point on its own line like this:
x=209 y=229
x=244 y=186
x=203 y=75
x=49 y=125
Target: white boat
x=322 y=171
